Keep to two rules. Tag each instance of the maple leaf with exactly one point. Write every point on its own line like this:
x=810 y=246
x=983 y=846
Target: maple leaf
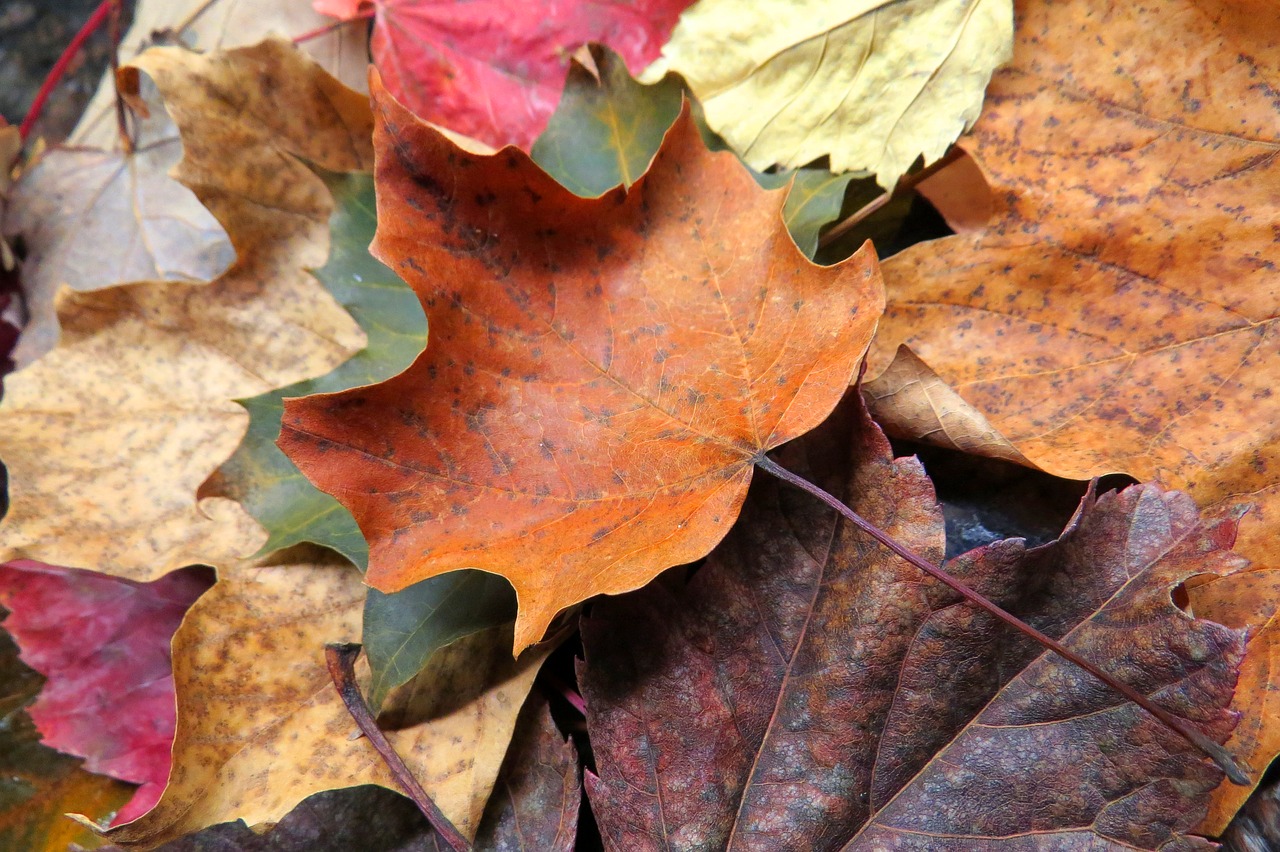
x=493 y=69
x=260 y=726
x=608 y=127
x=102 y=644
x=37 y=784
x=108 y=437
x=1118 y=313
x=806 y=689
x=601 y=375
x=873 y=85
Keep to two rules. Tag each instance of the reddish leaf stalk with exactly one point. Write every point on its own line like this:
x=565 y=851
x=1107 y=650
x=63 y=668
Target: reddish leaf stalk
x=328 y=28
x=1196 y=737
x=903 y=186
x=341 y=660
x=99 y=16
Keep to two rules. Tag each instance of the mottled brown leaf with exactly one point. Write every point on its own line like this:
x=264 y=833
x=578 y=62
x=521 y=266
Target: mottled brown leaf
x=108 y=437
x=260 y=726
x=1119 y=311
x=601 y=372
x=806 y=690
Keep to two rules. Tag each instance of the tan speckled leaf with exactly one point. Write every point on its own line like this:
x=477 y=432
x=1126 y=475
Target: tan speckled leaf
x=108 y=437
x=874 y=84
x=1119 y=312
x=261 y=727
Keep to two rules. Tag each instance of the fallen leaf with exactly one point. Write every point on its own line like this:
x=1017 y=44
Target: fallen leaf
x=92 y=219
x=212 y=25
x=108 y=437
x=872 y=85
x=601 y=372
x=102 y=644
x=493 y=69
x=608 y=128
x=535 y=802
x=37 y=784
x=260 y=726
x=1118 y=312
x=805 y=689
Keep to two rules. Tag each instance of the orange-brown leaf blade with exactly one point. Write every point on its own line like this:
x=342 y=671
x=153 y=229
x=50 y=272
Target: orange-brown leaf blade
x=600 y=372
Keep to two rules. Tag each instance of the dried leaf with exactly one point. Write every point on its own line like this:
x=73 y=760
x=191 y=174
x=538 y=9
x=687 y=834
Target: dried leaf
x=37 y=784
x=494 y=69
x=1118 y=313
x=601 y=372
x=873 y=84
x=108 y=437
x=102 y=644
x=260 y=726
x=211 y=25
x=805 y=689
x=92 y=219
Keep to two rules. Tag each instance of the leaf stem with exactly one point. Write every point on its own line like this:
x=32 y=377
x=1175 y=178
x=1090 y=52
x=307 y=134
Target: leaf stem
x=56 y=73
x=1195 y=736
x=903 y=186
x=341 y=660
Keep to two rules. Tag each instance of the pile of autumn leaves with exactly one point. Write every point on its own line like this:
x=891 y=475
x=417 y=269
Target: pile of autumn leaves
x=604 y=365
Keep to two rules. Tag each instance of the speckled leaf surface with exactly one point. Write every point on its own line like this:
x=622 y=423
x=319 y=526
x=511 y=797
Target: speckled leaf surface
x=261 y=727
x=872 y=85
x=102 y=644
x=806 y=690
x=1118 y=312
x=601 y=372
x=108 y=437
x=494 y=69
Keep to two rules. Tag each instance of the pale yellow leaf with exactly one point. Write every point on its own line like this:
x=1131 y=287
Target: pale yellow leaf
x=871 y=83
x=108 y=437
x=261 y=727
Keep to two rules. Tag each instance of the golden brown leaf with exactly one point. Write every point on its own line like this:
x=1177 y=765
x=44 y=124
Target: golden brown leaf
x=261 y=727
x=108 y=437
x=1119 y=313
x=601 y=372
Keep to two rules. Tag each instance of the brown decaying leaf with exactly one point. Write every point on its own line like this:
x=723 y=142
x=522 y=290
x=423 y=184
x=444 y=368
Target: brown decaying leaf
x=1119 y=312
x=260 y=726
x=108 y=437
x=600 y=375
x=806 y=689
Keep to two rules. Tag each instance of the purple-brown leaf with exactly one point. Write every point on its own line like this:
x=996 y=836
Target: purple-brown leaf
x=807 y=690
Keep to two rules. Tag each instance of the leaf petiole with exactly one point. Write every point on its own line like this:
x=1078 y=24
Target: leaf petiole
x=1196 y=737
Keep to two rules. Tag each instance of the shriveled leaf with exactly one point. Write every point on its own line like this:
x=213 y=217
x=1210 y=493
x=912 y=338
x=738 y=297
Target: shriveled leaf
x=805 y=689
x=102 y=643
x=37 y=784
x=535 y=802
x=108 y=437
x=494 y=69
x=608 y=127
x=261 y=727
x=601 y=373
x=210 y=25
x=1119 y=311
x=872 y=84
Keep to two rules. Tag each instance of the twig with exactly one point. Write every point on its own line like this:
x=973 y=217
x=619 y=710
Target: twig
x=1196 y=737
x=56 y=73
x=328 y=28
x=341 y=660
x=903 y=186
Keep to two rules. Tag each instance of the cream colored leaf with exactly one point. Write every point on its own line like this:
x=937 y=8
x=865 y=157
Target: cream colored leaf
x=96 y=218
x=261 y=727
x=108 y=437
x=873 y=84
x=223 y=25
